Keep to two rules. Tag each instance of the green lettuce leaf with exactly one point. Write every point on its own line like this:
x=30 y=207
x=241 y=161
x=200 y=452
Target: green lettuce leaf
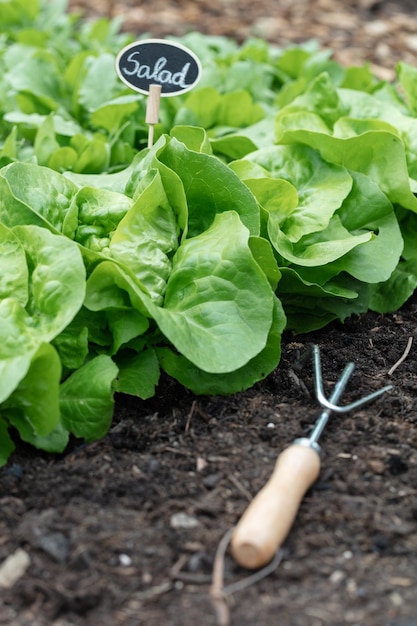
x=33 y=407
x=146 y=239
x=87 y=398
x=37 y=195
x=321 y=187
x=376 y=153
x=203 y=382
x=53 y=294
x=217 y=289
x=204 y=198
x=138 y=373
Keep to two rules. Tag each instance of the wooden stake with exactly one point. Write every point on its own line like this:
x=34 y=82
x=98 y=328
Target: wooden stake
x=152 y=110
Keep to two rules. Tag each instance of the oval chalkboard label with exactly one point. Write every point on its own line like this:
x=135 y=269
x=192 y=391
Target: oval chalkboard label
x=158 y=62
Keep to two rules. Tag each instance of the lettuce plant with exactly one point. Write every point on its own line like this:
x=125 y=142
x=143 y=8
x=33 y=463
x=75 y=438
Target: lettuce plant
x=279 y=194
x=109 y=286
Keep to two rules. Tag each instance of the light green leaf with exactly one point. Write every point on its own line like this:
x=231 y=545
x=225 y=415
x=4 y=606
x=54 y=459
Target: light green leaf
x=17 y=345
x=72 y=344
x=14 y=272
x=99 y=212
x=368 y=209
x=55 y=291
x=36 y=76
x=147 y=237
x=94 y=157
x=233 y=146
x=57 y=279
x=113 y=113
x=54 y=442
x=18 y=12
x=66 y=127
x=390 y=295
x=237 y=109
x=39 y=195
x=310 y=306
x=109 y=286
x=33 y=407
x=125 y=325
x=320 y=98
x=407 y=77
x=276 y=196
x=321 y=188
x=195 y=138
x=264 y=255
x=8 y=151
x=86 y=398
x=378 y=154
x=236 y=144
x=138 y=374
x=63 y=159
x=210 y=188
x=200 y=108
x=319 y=248
x=45 y=142
x=218 y=304
x=100 y=83
x=359 y=78
x=202 y=382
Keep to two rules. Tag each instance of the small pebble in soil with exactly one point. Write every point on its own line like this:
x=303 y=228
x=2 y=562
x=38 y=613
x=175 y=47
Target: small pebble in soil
x=197 y=561
x=15 y=470
x=337 y=577
x=396 y=599
x=56 y=545
x=13 y=568
x=211 y=480
x=125 y=560
x=377 y=466
x=182 y=520
x=153 y=465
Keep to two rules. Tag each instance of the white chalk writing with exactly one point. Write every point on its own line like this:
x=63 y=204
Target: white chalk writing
x=157 y=73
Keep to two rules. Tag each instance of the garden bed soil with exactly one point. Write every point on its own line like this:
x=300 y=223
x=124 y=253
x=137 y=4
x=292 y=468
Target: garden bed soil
x=123 y=531
x=107 y=545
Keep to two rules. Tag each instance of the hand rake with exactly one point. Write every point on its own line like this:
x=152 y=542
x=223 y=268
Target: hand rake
x=269 y=517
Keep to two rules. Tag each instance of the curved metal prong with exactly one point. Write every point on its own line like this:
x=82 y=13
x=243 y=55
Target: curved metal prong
x=353 y=405
x=329 y=404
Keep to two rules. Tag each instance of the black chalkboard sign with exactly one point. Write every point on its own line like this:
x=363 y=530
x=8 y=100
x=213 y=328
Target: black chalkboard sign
x=158 y=62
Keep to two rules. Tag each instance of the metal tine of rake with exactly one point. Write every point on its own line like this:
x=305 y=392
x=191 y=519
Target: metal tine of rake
x=339 y=387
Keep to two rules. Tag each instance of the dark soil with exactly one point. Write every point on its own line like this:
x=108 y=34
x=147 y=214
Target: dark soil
x=100 y=524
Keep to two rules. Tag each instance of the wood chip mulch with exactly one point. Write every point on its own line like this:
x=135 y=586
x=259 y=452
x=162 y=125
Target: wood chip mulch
x=375 y=31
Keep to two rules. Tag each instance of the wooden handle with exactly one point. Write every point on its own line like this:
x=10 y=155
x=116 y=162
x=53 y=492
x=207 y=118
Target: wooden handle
x=269 y=517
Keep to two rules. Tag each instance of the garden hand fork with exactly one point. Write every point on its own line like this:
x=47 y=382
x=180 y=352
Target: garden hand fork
x=269 y=517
